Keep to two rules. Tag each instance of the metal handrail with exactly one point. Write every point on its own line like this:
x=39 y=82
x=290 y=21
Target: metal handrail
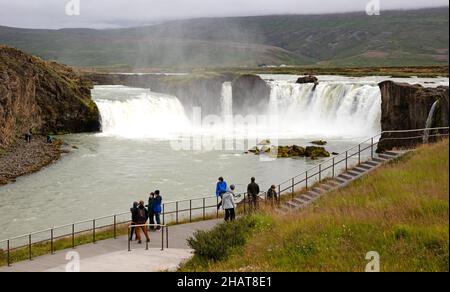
x=164 y=228
x=292 y=184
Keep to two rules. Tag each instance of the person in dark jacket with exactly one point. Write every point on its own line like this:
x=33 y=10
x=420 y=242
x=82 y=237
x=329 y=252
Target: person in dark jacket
x=157 y=208
x=142 y=217
x=151 y=212
x=253 y=192
x=133 y=211
x=272 y=195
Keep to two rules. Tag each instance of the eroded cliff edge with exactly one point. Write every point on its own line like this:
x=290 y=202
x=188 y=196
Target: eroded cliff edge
x=407 y=107
x=47 y=98
x=44 y=96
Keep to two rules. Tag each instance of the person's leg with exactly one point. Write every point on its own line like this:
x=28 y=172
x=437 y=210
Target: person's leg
x=158 y=220
x=152 y=220
x=145 y=230
x=138 y=234
x=227 y=215
x=232 y=214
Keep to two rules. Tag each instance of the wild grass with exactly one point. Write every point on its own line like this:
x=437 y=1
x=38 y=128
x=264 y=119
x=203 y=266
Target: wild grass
x=400 y=211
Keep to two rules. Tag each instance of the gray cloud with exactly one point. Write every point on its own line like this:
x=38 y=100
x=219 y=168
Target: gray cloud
x=120 y=13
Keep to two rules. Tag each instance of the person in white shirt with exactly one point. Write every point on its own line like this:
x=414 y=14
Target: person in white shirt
x=229 y=205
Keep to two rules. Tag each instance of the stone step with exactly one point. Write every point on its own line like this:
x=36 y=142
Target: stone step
x=325 y=187
x=285 y=208
x=353 y=173
x=380 y=160
x=313 y=194
x=333 y=183
x=387 y=157
x=372 y=163
x=345 y=177
x=293 y=204
x=340 y=181
x=365 y=166
x=358 y=169
x=392 y=154
x=300 y=200
x=308 y=196
x=319 y=190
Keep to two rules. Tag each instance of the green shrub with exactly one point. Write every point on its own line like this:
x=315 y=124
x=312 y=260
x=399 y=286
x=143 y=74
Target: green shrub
x=216 y=244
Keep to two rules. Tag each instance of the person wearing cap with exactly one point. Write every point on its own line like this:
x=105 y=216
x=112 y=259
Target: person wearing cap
x=272 y=194
x=229 y=205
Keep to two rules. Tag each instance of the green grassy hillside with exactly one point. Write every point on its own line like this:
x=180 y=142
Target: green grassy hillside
x=400 y=211
x=396 y=38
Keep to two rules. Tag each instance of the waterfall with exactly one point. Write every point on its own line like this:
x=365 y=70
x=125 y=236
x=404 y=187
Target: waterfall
x=332 y=109
x=429 y=122
x=138 y=113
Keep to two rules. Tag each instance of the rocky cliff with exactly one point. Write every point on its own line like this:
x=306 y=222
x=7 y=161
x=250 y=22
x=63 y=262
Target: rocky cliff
x=251 y=95
x=406 y=107
x=43 y=96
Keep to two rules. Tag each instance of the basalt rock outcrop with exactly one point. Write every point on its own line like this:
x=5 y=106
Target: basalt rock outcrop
x=251 y=95
x=406 y=107
x=43 y=96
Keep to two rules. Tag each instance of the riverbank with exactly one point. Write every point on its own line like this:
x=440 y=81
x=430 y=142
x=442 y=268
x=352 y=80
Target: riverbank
x=24 y=158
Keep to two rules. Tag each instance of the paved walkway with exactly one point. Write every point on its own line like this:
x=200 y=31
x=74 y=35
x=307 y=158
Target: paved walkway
x=112 y=255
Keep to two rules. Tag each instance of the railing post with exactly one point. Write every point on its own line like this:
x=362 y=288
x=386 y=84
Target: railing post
x=129 y=239
x=333 y=166
x=51 y=241
x=245 y=209
x=162 y=238
x=190 y=210
x=204 y=206
x=93 y=231
x=293 y=187
x=320 y=172
x=359 y=154
x=115 y=226
x=346 y=160
x=73 y=235
x=29 y=248
x=176 y=213
x=167 y=236
x=164 y=214
x=371 y=148
x=8 y=253
x=306 y=180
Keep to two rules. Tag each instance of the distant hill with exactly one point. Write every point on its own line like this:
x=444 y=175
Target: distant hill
x=396 y=38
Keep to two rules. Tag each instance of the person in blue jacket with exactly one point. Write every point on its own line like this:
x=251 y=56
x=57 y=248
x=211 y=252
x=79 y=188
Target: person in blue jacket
x=221 y=188
x=157 y=209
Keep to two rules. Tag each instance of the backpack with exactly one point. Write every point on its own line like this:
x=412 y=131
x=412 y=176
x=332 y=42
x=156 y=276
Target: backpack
x=141 y=216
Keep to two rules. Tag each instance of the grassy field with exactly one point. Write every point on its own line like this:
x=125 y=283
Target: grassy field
x=400 y=211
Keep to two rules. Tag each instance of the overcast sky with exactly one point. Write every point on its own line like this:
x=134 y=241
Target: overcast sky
x=119 y=13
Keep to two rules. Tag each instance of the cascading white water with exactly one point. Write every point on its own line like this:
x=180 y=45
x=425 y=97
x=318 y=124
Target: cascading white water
x=138 y=113
x=429 y=122
x=331 y=110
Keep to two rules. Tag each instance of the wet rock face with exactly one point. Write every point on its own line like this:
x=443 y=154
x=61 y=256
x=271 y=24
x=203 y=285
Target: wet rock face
x=308 y=79
x=406 y=107
x=251 y=95
x=43 y=96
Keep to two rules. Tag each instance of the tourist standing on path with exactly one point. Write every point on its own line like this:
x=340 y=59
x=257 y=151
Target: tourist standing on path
x=229 y=205
x=272 y=195
x=221 y=188
x=142 y=217
x=151 y=211
x=157 y=208
x=253 y=192
x=134 y=220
